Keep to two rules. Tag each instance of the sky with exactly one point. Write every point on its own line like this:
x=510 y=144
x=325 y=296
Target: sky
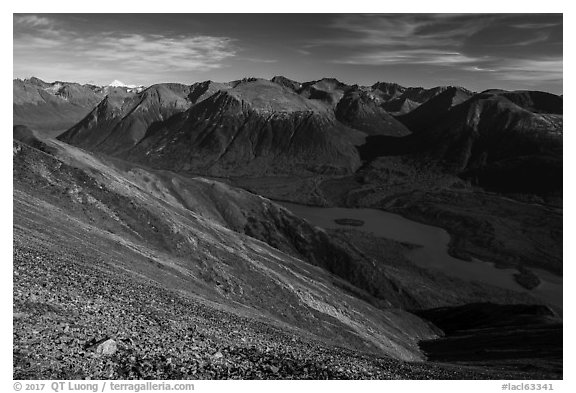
x=476 y=51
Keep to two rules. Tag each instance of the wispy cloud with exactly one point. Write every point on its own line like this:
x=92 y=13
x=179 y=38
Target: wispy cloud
x=462 y=42
x=535 y=25
x=40 y=38
x=526 y=70
x=198 y=53
x=479 y=69
x=402 y=39
x=259 y=60
x=32 y=20
x=537 y=37
x=402 y=31
x=408 y=56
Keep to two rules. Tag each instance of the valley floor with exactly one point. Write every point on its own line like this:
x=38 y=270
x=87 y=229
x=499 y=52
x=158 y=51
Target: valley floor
x=509 y=232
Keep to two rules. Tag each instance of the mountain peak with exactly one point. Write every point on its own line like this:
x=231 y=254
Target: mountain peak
x=288 y=83
x=129 y=88
x=36 y=81
x=117 y=83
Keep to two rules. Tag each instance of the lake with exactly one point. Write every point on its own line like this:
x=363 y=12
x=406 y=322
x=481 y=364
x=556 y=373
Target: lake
x=433 y=250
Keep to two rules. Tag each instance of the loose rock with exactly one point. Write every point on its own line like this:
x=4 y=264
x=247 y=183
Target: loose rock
x=108 y=347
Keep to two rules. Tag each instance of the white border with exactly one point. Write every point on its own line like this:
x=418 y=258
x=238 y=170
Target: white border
x=294 y=6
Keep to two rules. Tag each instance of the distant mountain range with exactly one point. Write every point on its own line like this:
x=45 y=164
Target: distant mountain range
x=277 y=126
x=507 y=141
x=258 y=127
x=56 y=106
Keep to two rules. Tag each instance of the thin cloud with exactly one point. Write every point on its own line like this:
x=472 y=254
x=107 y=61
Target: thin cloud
x=402 y=39
x=479 y=69
x=257 y=60
x=523 y=70
x=542 y=37
x=199 y=53
x=409 y=56
x=32 y=21
x=535 y=25
x=534 y=69
x=39 y=39
x=439 y=41
x=539 y=37
x=401 y=31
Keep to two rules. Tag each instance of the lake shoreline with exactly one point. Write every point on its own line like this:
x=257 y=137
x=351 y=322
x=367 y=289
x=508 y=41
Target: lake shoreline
x=433 y=247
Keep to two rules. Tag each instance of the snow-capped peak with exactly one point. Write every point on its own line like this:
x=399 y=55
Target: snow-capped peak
x=129 y=88
x=117 y=83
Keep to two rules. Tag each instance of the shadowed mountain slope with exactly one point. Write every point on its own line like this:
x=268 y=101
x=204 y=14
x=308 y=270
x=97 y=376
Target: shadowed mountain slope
x=490 y=139
x=51 y=107
x=399 y=100
x=179 y=248
x=430 y=112
x=256 y=128
x=491 y=131
x=485 y=332
x=361 y=110
x=388 y=91
x=533 y=101
x=118 y=123
x=288 y=83
x=186 y=250
x=251 y=126
x=329 y=91
x=157 y=237
x=24 y=134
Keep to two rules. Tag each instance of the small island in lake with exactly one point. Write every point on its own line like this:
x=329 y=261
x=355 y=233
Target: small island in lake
x=349 y=221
